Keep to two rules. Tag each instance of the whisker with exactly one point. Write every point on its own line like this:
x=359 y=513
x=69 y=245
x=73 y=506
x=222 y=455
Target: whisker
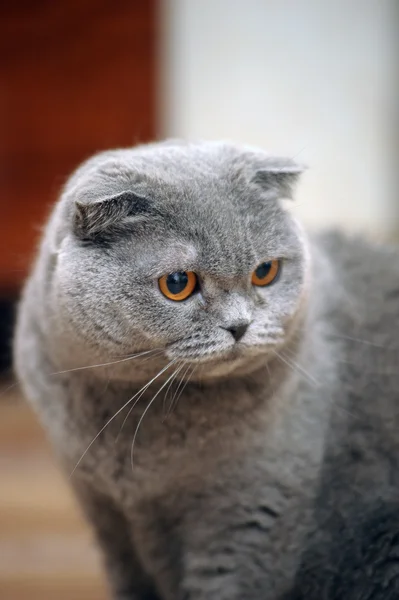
x=270 y=378
x=117 y=356
x=177 y=390
x=355 y=363
x=340 y=336
x=118 y=412
x=143 y=391
x=348 y=412
x=366 y=342
x=334 y=403
x=8 y=388
x=289 y=353
x=169 y=389
x=155 y=351
x=174 y=402
x=296 y=367
x=144 y=413
x=114 y=362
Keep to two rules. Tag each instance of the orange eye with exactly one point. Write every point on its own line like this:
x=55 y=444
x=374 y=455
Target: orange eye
x=266 y=273
x=178 y=286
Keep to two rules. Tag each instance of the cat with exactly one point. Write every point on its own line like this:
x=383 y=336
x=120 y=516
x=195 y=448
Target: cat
x=222 y=387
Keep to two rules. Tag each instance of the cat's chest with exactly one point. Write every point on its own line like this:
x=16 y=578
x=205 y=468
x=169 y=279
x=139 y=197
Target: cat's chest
x=146 y=451
x=149 y=451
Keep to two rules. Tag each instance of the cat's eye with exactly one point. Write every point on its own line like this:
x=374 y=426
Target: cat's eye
x=266 y=273
x=178 y=286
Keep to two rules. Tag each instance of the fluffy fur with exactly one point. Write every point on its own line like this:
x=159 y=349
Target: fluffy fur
x=213 y=469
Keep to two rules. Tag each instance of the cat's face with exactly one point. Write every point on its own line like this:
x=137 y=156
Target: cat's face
x=182 y=248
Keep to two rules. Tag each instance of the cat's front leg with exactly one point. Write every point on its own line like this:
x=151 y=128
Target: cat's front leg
x=226 y=551
x=126 y=577
x=225 y=573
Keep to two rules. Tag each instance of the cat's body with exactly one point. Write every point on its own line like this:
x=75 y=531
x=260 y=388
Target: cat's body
x=276 y=472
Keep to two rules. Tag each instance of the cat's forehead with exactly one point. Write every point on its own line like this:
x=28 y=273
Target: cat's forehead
x=168 y=173
x=221 y=198
x=216 y=176
x=214 y=237
x=194 y=186
x=219 y=214
x=215 y=242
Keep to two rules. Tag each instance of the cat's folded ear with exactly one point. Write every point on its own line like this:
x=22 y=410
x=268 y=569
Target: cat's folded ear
x=278 y=176
x=95 y=217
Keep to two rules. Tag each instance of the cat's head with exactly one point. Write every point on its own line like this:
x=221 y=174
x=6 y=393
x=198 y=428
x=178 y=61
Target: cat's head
x=181 y=247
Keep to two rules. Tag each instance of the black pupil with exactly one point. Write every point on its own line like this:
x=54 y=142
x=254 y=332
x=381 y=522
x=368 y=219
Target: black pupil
x=177 y=282
x=263 y=270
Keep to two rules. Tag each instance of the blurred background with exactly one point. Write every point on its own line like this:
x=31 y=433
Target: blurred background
x=310 y=79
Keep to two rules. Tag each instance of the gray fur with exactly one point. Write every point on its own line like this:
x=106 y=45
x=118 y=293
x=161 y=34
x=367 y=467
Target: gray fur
x=270 y=460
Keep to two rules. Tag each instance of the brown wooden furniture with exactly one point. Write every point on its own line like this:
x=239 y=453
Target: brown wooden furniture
x=76 y=77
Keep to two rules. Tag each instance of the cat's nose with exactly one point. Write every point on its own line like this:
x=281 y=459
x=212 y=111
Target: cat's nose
x=238 y=330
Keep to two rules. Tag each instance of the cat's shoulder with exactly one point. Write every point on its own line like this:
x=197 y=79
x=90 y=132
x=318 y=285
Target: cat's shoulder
x=353 y=246
x=365 y=273
x=358 y=256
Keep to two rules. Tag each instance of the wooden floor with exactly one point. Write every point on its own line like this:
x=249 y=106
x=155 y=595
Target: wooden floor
x=46 y=551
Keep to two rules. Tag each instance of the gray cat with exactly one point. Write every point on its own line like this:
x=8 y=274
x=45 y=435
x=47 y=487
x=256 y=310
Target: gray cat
x=223 y=387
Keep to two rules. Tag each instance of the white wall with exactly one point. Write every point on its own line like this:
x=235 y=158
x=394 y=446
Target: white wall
x=306 y=78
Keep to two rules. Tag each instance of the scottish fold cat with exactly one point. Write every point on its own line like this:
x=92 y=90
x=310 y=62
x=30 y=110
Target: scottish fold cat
x=222 y=387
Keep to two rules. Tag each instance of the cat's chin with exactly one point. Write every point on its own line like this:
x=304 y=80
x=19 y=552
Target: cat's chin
x=238 y=352
x=218 y=369
x=239 y=359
